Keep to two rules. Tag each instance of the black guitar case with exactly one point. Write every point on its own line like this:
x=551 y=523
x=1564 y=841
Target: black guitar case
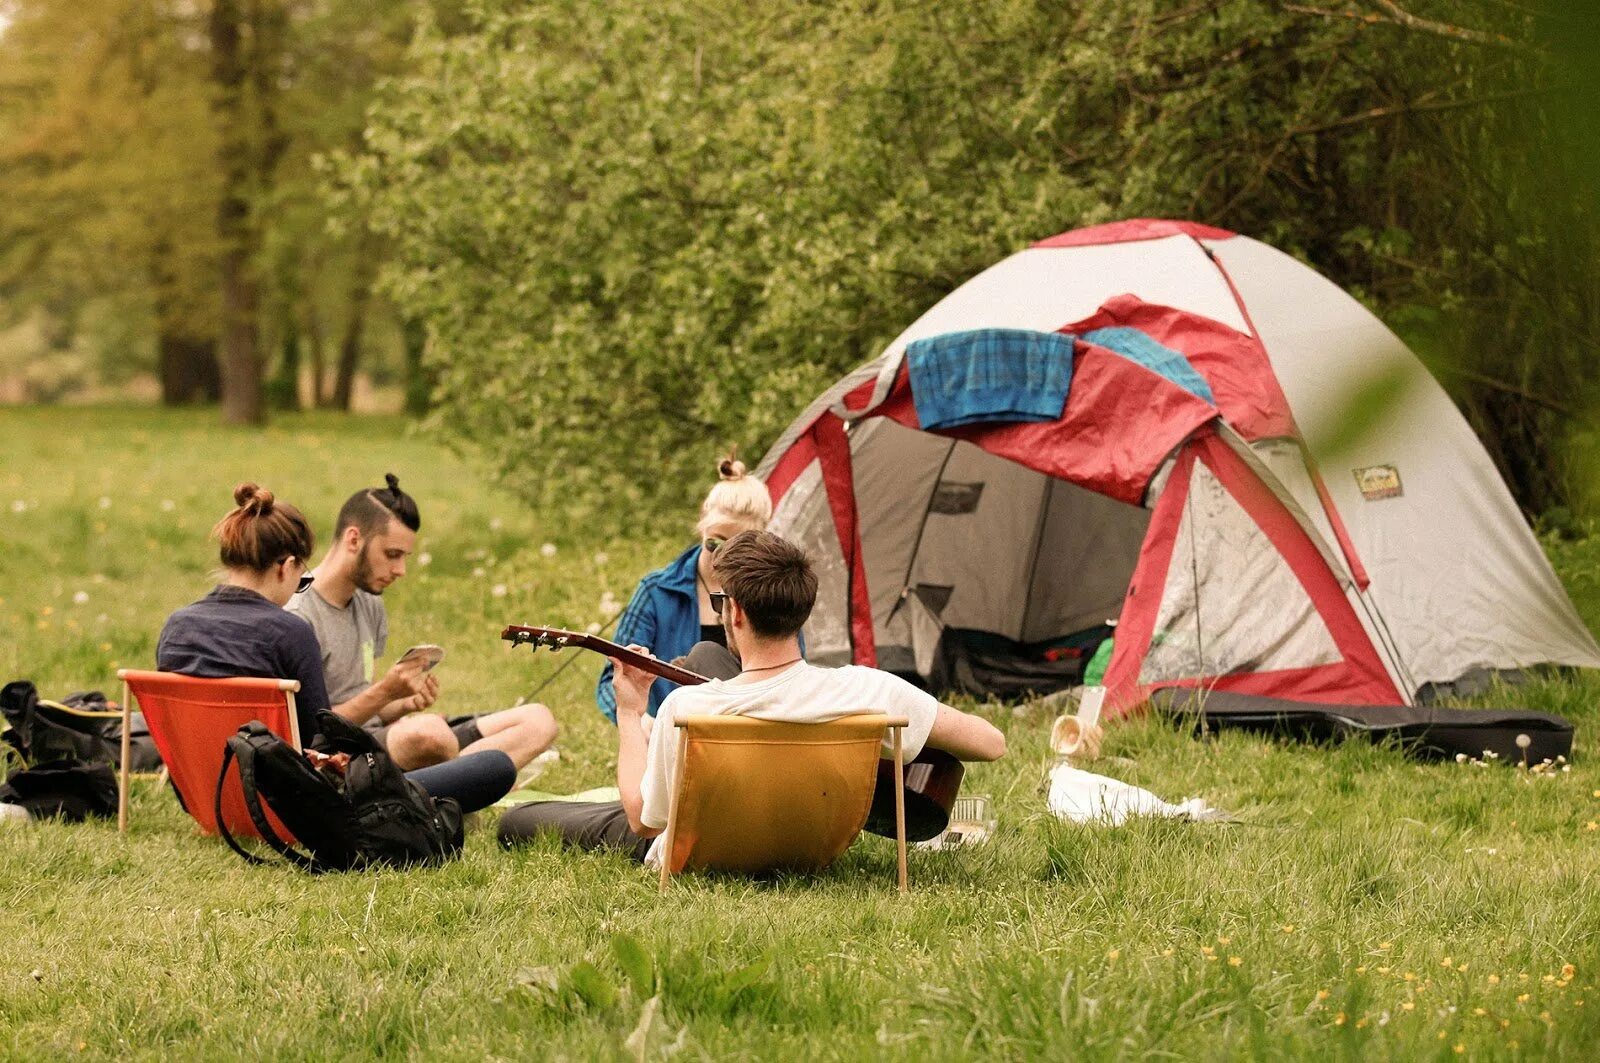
x=1516 y=736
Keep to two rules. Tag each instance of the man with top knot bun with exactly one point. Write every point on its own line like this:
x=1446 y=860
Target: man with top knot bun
x=376 y=532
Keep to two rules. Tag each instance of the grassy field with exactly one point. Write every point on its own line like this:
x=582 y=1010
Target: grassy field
x=1365 y=906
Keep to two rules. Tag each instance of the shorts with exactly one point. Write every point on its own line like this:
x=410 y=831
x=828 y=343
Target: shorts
x=465 y=728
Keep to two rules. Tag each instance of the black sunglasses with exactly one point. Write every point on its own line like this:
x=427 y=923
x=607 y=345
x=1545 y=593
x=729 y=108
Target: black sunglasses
x=717 y=598
x=306 y=579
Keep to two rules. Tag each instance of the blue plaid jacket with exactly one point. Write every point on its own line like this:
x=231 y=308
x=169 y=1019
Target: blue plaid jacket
x=663 y=617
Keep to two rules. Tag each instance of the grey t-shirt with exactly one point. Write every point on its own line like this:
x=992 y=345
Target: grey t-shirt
x=351 y=638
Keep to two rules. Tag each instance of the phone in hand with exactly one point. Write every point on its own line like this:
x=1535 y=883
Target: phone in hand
x=429 y=654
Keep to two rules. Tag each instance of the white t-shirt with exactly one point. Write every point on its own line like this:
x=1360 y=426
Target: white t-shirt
x=803 y=693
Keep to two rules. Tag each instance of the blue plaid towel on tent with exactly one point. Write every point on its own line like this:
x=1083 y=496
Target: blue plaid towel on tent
x=1138 y=347
x=991 y=374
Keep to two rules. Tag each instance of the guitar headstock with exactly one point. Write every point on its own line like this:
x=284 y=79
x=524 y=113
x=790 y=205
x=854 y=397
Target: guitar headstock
x=550 y=637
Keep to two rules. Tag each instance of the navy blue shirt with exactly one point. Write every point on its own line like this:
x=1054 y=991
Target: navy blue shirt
x=233 y=631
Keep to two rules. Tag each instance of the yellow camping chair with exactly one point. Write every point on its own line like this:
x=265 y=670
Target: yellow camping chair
x=756 y=795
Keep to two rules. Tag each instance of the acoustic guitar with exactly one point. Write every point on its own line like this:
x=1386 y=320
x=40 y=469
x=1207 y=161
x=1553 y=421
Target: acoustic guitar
x=932 y=780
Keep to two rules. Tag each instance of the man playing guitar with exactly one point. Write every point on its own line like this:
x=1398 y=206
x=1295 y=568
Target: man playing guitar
x=768 y=590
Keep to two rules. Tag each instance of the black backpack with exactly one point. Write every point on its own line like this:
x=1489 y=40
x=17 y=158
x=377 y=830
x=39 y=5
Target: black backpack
x=42 y=733
x=370 y=816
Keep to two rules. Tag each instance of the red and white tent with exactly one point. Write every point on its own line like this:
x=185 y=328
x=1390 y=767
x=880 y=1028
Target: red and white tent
x=1230 y=553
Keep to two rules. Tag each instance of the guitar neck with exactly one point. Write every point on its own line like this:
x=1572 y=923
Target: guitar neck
x=558 y=639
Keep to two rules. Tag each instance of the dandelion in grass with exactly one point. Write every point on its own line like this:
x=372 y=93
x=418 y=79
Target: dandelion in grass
x=495 y=524
x=105 y=503
x=19 y=506
x=1494 y=979
x=80 y=597
x=479 y=572
x=498 y=590
x=1568 y=971
x=1545 y=1015
x=1591 y=825
x=1112 y=954
x=1361 y=1023
x=1409 y=1005
x=424 y=559
x=168 y=505
x=593 y=629
x=1362 y=969
x=1447 y=962
x=1167 y=951
x=1323 y=994
x=1459 y=1048
x=1479 y=1012
x=1222 y=940
x=1339 y=1019
x=548 y=550
x=1462 y=967
x=601 y=558
x=1235 y=961
x=1522 y=998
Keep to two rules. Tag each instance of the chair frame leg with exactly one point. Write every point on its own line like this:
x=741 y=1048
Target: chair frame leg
x=672 y=812
x=900 y=808
x=127 y=752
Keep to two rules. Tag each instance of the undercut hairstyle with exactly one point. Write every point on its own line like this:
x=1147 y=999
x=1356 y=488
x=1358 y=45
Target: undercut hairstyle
x=370 y=511
x=261 y=531
x=770 y=578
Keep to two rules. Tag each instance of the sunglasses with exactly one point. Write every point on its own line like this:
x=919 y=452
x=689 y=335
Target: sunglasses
x=305 y=574
x=717 y=598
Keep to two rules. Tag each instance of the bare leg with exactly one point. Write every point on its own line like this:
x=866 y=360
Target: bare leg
x=420 y=740
x=521 y=733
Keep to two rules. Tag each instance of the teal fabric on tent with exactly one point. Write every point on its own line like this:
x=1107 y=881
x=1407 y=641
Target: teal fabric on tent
x=1138 y=347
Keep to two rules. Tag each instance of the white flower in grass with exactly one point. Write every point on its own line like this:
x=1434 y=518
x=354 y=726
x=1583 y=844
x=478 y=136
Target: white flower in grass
x=105 y=503
x=480 y=572
x=168 y=505
x=609 y=606
x=498 y=590
x=80 y=597
x=593 y=629
x=424 y=559
x=19 y=506
x=601 y=558
x=496 y=524
x=548 y=550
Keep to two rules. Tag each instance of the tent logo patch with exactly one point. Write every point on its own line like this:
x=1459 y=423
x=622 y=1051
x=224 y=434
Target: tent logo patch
x=1379 y=481
x=953 y=499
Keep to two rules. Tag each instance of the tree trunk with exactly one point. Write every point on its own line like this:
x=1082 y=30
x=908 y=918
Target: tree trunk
x=283 y=392
x=350 y=343
x=188 y=370
x=419 y=378
x=318 y=362
x=242 y=398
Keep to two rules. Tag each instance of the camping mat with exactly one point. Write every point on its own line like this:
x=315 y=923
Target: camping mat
x=1513 y=735
x=599 y=795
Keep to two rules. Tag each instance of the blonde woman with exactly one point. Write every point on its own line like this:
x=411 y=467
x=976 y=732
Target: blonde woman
x=671 y=610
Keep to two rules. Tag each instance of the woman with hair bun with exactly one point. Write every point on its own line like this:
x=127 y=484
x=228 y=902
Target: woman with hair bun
x=671 y=609
x=242 y=629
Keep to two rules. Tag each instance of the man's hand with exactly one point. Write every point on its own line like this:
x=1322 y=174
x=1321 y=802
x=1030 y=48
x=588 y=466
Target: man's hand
x=422 y=699
x=407 y=679
x=632 y=685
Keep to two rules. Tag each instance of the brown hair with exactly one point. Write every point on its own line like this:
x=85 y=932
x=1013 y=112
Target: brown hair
x=770 y=578
x=261 y=531
x=737 y=496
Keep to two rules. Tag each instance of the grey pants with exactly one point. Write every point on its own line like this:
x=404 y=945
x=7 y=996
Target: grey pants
x=580 y=824
x=592 y=825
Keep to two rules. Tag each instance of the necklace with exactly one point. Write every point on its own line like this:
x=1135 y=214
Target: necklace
x=772 y=667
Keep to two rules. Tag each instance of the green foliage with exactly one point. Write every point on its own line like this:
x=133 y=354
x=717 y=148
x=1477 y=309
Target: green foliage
x=637 y=236
x=1354 y=873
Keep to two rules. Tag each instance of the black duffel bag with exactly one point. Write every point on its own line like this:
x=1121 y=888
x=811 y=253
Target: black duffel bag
x=366 y=815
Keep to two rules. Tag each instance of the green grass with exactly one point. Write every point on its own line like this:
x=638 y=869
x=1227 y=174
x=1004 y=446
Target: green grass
x=1367 y=906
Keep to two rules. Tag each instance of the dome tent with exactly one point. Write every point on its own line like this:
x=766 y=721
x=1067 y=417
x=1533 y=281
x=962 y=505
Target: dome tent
x=1233 y=555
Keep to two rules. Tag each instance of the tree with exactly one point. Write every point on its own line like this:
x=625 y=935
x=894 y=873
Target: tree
x=635 y=237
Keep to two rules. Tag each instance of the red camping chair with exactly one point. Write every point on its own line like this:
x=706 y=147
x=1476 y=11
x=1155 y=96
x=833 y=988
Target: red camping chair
x=191 y=721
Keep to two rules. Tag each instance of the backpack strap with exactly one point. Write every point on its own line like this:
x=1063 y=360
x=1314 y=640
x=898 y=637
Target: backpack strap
x=239 y=748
